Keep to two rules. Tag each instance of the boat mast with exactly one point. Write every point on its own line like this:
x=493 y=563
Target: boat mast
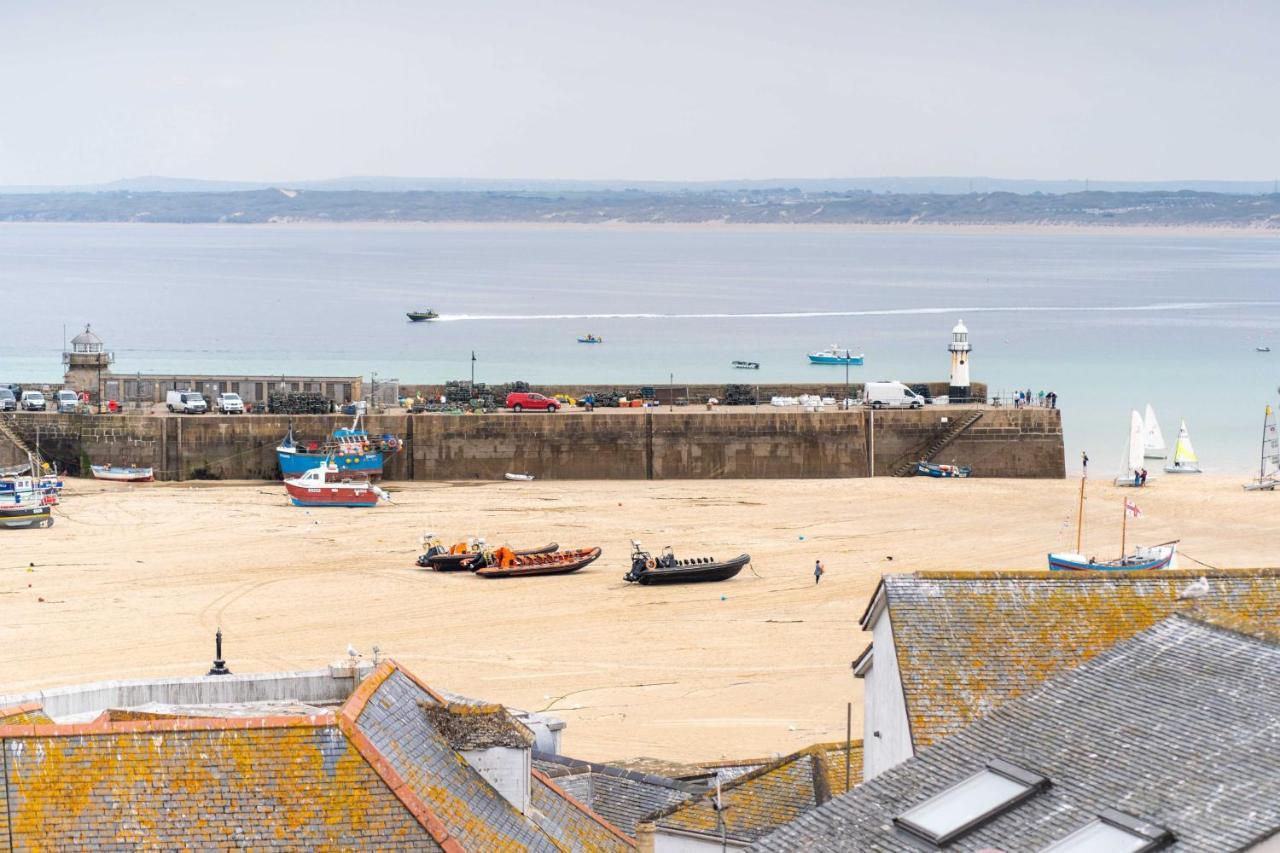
x=1262 y=460
x=1084 y=473
x=1124 y=525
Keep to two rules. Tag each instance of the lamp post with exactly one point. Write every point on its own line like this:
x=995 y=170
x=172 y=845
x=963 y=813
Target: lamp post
x=846 y=379
x=219 y=665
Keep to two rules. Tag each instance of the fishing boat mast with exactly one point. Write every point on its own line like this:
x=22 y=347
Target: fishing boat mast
x=1084 y=475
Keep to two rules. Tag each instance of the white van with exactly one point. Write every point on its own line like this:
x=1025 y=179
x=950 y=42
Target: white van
x=68 y=401
x=32 y=401
x=892 y=395
x=186 y=402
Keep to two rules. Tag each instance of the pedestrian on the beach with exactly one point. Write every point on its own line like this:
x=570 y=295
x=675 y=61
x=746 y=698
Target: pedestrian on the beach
x=818 y=570
x=1144 y=477
x=1137 y=478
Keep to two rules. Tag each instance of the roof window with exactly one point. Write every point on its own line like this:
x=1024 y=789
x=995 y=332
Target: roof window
x=1114 y=832
x=967 y=805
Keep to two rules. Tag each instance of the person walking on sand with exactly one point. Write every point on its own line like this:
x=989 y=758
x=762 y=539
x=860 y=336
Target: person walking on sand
x=818 y=571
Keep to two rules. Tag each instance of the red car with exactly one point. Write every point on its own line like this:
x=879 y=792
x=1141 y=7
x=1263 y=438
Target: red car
x=519 y=402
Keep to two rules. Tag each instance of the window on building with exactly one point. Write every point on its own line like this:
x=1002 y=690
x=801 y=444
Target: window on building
x=972 y=802
x=1113 y=832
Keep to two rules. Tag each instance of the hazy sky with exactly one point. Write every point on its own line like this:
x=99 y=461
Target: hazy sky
x=648 y=89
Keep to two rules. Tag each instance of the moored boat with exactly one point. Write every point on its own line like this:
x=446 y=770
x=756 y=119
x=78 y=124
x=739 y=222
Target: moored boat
x=666 y=568
x=123 y=474
x=590 y=339
x=327 y=485
x=28 y=501
x=467 y=556
x=836 y=355
x=1140 y=559
x=17 y=516
x=351 y=449
x=932 y=469
x=505 y=563
x=519 y=477
x=747 y=365
x=419 y=316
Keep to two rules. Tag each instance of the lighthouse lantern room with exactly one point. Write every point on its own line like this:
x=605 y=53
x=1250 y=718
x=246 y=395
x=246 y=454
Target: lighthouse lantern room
x=959 y=348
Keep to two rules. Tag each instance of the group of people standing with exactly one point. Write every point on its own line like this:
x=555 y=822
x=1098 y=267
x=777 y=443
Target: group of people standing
x=1023 y=399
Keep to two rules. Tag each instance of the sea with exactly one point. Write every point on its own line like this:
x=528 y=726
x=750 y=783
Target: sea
x=1109 y=321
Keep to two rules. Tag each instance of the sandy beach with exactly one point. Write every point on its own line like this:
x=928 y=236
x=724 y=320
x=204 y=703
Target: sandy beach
x=132 y=582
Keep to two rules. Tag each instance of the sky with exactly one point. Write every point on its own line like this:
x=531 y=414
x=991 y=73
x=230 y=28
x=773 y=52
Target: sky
x=653 y=90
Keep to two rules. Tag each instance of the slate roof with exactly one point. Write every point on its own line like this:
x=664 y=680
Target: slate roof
x=967 y=641
x=758 y=802
x=622 y=797
x=375 y=774
x=471 y=726
x=1179 y=726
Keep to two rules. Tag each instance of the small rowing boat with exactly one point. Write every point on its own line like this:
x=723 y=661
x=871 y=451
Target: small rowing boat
x=519 y=477
x=647 y=569
x=120 y=474
x=930 y=469
x=466 y=556
x=419 y=316
x=505 y=563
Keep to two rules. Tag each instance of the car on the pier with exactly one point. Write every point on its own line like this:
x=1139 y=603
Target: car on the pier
x=229 y=404
x=186 y=402
x=68 y=401
x=519 y=401
x=33 y=401
x=8 y=402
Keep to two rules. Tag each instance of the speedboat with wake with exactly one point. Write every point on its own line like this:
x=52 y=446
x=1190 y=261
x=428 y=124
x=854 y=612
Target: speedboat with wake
x=419 y=316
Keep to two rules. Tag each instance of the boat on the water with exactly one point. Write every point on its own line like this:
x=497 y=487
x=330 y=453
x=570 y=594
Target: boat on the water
x=665 y=568
x=328 y=485
x=1269 y=465
x=419 y=316
x=1262 y=349
x=468 y=555
x=590 y=339
x=836 y=355
x=931 y=469
x=1131 y=461
x=747 y=365
x=351 y=449
x=123 y=474
x=1184 y=459
x=505 y=563
x=1152 y=438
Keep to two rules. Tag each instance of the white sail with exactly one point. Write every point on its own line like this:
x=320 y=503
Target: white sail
x=1270 y=446
x=1153 y=440
x=1131 y=461
x=1183 y=460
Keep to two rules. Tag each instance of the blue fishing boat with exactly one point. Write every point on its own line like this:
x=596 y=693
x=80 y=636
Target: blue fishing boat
x=931 y=469
x=590 y=339
x=351 y=450
x=1141 y=560
x=836 y=355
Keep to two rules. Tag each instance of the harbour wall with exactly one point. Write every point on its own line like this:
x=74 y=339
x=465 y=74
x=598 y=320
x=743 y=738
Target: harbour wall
x=606 y=444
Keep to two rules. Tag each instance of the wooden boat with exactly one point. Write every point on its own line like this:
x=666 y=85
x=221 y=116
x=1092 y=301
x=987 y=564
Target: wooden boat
x=505 y=563
x=16 y=516
x=1269 y=465
x=1152 y=558
x=931 y=469
x=468 y=553
x=329 y=486
x=128 y=474
x=419 y=316
x=647 y=569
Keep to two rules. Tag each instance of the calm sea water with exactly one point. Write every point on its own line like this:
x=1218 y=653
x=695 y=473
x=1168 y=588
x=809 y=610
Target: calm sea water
x=1110 y=322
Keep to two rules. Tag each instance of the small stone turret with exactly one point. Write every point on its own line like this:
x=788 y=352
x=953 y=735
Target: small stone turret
x=86 y=360
x=959 y=349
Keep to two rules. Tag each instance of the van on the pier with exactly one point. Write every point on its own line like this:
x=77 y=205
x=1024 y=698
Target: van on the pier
x=186 y=402
x=892 y=395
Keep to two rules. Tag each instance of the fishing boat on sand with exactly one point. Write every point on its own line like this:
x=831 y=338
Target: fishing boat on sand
x=931 y=469
x=328 y=485
x=1131 y=461
x=505 y=563
x=122 y=474
x=1142 y=558
x=419 y=316
x=465 y=556
x=836 y=355
x=665 y=568
x=1152 y=438
x=27 y=501
x=1269 y=465
x=524 y=478
x=351 y=449
x=1183 y=460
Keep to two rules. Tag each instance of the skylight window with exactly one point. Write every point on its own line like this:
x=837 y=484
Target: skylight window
x=1113 y=832
x=972 y=802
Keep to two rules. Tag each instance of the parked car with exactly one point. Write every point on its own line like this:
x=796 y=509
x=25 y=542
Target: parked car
x=8 y=402
x=229 y=404
x=892 y=395
x=67 y=401
x=33 y=401
x=13 y=388
x=186 y=402
x=518 y=402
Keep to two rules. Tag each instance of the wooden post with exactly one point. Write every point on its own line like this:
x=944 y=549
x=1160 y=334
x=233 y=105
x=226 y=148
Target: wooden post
x=1124 y=524
x=848 y=743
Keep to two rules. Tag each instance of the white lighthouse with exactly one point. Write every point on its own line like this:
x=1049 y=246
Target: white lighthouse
x=959 y=349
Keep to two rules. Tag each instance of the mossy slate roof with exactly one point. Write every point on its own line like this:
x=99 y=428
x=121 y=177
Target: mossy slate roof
x=758 y=802
x=1176 y=726
x=621 y=796
x=373 y=775
x=967 y=642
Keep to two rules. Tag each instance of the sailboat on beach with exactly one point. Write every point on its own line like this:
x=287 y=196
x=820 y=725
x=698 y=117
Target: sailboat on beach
x=1184 y=459
x=1149 y=558
x=1131 y=460
x=1269 y=465
x=1153 y=439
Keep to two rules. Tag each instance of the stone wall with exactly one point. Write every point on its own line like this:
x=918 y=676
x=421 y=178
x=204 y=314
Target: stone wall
x=699 y=392
x=606 y=444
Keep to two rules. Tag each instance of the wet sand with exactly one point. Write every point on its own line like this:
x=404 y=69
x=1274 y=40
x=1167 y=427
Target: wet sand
x=132 y=581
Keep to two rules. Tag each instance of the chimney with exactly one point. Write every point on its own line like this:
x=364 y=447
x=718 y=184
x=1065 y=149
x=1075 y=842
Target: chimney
x=493 y=742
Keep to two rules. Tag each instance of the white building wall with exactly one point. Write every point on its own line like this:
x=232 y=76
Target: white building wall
x=506 y=769
x=671 y=842
x=886 y=733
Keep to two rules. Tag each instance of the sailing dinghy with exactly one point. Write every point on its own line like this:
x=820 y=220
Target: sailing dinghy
x=1269 y=466
x=1183 y=460
x=1153 y=438
x=1131 y=461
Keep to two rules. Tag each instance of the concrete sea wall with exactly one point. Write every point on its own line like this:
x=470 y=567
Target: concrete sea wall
x=606 y=444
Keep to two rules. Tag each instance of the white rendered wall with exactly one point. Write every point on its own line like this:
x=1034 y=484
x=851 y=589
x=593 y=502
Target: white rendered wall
x=884 y=710
x=960 y=370
x=670 y=842
x=507 y=770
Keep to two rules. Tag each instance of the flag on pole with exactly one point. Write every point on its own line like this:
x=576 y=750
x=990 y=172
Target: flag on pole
x=1132 y=509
